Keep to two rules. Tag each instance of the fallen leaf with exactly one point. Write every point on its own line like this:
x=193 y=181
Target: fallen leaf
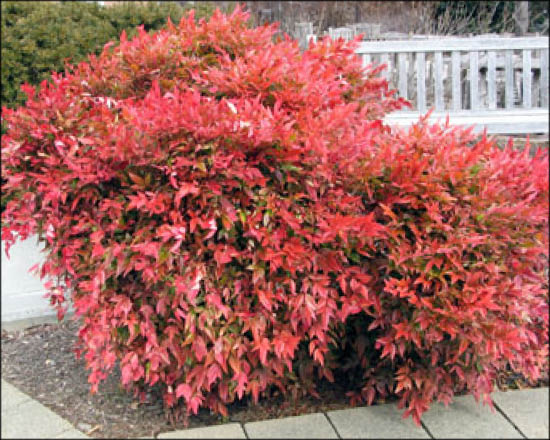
x=94 y=429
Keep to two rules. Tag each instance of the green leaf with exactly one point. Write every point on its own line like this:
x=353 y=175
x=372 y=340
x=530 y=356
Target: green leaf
x=163 y=254
x=123 y=333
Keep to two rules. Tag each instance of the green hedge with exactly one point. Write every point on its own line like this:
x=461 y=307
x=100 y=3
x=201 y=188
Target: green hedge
x=37 y=37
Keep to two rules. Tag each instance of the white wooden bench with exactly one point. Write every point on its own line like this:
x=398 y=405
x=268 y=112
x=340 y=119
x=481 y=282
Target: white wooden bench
x=505 y=80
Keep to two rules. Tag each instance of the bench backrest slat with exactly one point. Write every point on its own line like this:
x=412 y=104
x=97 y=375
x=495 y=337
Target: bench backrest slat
x=509 y=72
x=366 y=59
x=474 y=80
x=491 y=79
x=456 y=96
x=526 y=67
x=421 y=81
x=438 y=84
x=403 y=77
x=384 y=59
x=544 y=77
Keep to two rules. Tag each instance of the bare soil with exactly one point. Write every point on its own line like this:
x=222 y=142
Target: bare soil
x=40 y=361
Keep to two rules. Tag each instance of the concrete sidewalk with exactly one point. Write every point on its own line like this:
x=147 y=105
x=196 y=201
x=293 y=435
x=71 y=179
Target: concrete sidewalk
x=519 y=414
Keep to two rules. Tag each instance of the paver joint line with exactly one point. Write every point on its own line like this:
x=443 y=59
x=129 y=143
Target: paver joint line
x=244 y=430
x=509 y=420
x=466 y=418
x=374 y=421
x=426 y=429
x=332 y=424
x=527 y=410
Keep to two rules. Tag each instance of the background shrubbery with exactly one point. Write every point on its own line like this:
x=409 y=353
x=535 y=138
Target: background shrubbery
x=229 y=215
x=37 y=37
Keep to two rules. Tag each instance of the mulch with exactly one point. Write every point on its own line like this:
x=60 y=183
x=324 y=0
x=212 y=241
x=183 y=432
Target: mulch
x=40 y=361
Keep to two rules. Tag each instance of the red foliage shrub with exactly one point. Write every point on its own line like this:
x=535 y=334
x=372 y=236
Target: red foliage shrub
x=224 y=209
x=458 y=282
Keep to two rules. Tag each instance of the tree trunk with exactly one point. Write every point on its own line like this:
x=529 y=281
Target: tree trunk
x=521 y=17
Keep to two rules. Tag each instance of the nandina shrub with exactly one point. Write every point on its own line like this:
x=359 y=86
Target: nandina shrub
x=185 y=186
x=220 y=208
x=459 y=278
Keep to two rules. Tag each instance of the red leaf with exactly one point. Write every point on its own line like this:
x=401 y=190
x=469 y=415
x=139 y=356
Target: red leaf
x=199 y=348
x=184 y=390
x=263 y=347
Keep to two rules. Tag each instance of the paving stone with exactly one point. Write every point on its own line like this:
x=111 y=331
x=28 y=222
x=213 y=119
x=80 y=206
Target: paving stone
x=11 y=396
x=32 y=420
x=229 y=430
x=379 y=421
x=307 y=426
x=465 y=418
x=72 y=433
x=527 y=409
